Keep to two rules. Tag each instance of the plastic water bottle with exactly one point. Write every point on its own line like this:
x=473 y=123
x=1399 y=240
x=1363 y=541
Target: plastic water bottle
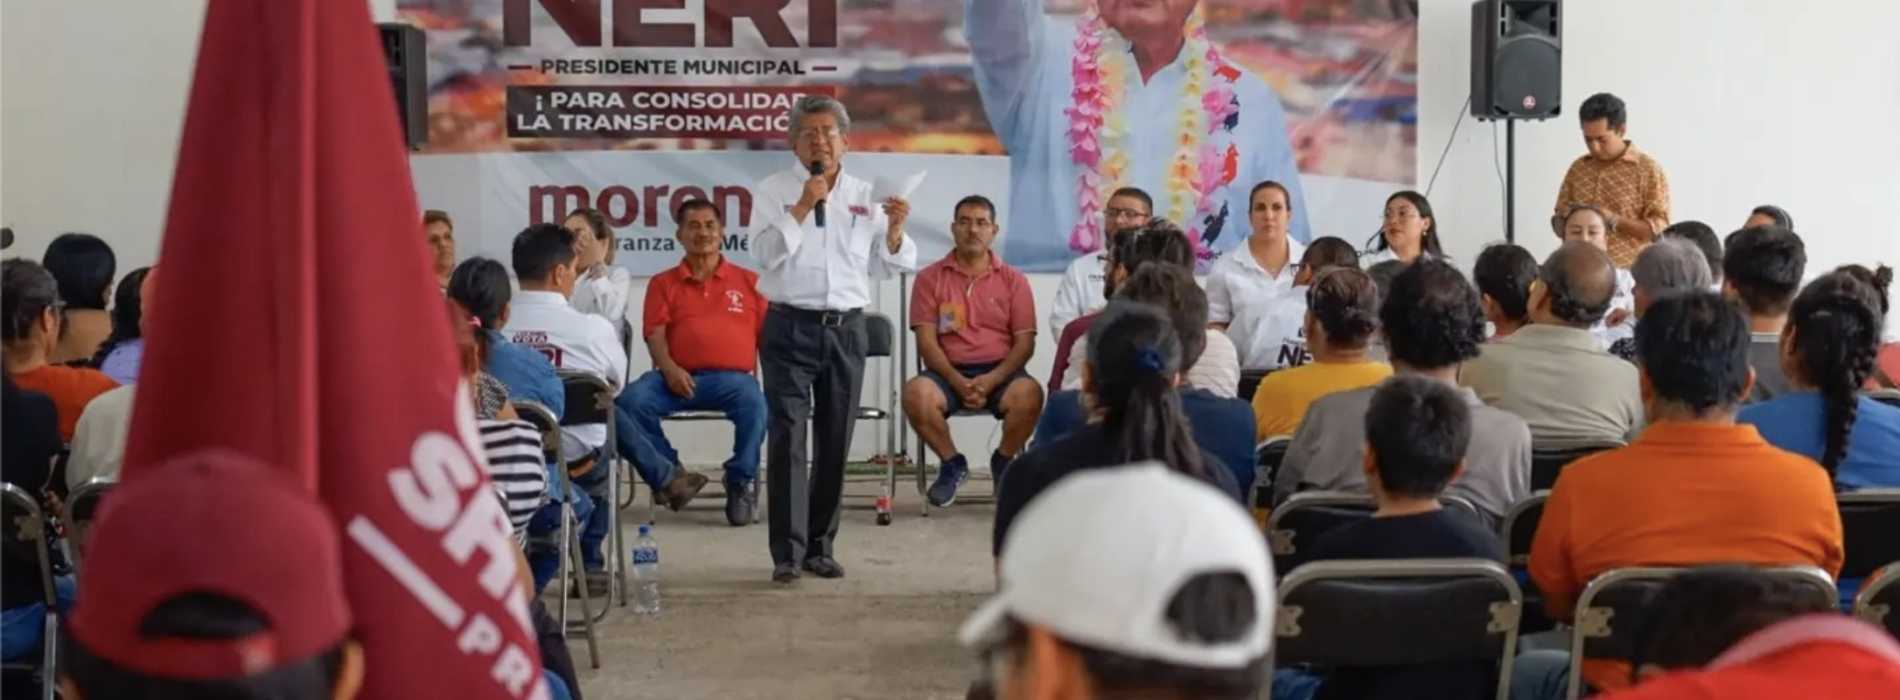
x=646 y=573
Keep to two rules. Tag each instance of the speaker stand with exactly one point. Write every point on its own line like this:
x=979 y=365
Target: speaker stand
x=1510 y=181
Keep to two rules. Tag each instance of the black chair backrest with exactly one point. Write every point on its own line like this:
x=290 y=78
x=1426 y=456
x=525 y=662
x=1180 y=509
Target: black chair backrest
x=1611 y=606
x=82 y=508
x=1870 y=525
x=880 y=336
x=1296 y=525
x=589 y=399
x=544 y=422
x=1520 y=528
x=1267 y=459
x=1548 y=460
x=1397 y=613
x=1250 y=382
x=23 y=527
x=1878 y=602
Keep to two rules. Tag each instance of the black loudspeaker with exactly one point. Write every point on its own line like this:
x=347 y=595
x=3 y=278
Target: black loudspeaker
x=1516 y=59
x=406 y=53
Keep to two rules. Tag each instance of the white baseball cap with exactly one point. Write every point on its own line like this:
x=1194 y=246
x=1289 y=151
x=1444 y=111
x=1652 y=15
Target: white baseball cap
x=1096 y=559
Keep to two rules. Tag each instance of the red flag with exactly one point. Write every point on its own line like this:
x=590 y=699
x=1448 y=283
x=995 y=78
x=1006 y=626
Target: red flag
x=297 y=322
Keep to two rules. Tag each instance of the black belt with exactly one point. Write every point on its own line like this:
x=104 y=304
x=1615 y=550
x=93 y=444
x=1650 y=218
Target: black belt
x=823 y=317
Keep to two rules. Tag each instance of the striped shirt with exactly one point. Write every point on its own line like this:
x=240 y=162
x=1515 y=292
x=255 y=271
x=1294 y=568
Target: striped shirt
x=515 y=466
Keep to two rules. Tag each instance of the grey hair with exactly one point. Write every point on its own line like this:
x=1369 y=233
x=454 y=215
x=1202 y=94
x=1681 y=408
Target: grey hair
x=818 y=104
x=1671 y=265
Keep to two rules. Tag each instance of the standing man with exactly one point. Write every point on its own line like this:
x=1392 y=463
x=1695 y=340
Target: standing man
x=975 y=320
x=819 y=241
x=1625 y=184
x=702 y=330
x=1132 y=92
x=441 y=233
x=1084 y=287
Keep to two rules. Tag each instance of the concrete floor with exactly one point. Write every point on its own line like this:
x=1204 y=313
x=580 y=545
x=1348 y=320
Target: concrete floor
x=887 y=630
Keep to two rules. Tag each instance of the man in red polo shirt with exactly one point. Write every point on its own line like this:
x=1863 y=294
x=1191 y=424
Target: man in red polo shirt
x=975 y=320
x=702 y=326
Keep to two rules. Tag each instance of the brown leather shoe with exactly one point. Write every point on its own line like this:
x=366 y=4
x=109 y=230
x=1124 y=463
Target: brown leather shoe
x=684 y=487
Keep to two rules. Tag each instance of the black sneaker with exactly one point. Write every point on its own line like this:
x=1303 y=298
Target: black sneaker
x=999 y=463
x=950 y=475
x=824 y=567
x=742 y=503
x=784 y=573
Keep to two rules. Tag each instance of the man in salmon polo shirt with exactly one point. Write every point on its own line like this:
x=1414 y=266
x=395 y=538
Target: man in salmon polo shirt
x=975 y=321
x=701 y=326
x=1694 y=488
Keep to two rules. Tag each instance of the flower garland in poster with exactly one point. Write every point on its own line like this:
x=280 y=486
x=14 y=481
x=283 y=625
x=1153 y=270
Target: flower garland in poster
x=1101 y=65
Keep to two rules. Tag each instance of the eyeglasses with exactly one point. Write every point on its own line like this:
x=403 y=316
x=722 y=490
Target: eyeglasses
x=1115 y=214
x=826 y=133
x=1402 y=215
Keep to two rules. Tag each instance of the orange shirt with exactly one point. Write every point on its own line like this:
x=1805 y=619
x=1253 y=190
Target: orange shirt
x=70 y=388
x=1681 y=495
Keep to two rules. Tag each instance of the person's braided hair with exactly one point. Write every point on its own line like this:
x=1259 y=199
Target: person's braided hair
x=1836 y=325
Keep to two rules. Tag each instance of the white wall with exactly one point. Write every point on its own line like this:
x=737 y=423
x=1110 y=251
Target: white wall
x=1744 y=102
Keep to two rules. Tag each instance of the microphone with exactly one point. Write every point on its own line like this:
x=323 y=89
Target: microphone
x=818 y=212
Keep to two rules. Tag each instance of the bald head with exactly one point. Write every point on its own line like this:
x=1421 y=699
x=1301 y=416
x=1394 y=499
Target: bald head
x=1578 y=283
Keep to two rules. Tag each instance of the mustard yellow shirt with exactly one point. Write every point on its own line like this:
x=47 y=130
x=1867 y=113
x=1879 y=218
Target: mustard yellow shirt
x=1281 y=401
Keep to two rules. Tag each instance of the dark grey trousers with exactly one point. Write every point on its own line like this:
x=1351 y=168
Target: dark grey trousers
x=812 y=364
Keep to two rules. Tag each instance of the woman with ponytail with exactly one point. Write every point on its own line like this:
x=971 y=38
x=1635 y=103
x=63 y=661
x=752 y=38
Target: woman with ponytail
x=1342 y=312
x=1828 y=350
x=1131 y=394
x=481 y=286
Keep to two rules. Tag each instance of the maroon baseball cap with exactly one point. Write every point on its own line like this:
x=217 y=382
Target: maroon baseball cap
x=217 y=523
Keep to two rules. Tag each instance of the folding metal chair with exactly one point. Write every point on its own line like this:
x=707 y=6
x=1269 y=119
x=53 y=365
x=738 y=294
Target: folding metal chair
x=569 y=538
x=682 y=417
x=25 y=527
x=1547 y=459
x=923 y=472
x=881 y=342
x=1870 y=528
x=1619 y=596
x=590 y=401
x=1400 y=612
x=1250 y=383
x=1267 y=457
x=1297 y=525
x=82 y=507
x=1878 y=598
x=1520 y=529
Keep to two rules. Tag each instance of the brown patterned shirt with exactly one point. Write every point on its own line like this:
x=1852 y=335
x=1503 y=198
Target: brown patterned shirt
x=1632 y=186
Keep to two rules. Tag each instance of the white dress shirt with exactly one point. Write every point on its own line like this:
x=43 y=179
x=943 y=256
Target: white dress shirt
x=829 y=268
x=571 y=340
x=606 y=296
x=1023 y=58
x=98 y=448
x=1243 y=295
x=1081 y=291
x=1625 y=299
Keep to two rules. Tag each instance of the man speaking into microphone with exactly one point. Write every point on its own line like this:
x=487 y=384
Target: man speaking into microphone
x=819 y=240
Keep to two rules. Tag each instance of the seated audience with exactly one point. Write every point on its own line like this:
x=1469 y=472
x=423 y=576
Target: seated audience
x=544 y=263
x=1277 y=340
x=84 y=267
x=481 y=285
x=1704 y=239
x=1762 y=269
x=1736 y=632
x=121 y=353
x=1886 y=372
x=512 y=445
x=1249 y=284
x=1828 y=350
x=1082 y=291
x=243 y=599
x=98 y=447
x=1588 y=224
x=30 y=425
x=701 y=325
x=1130 y=391
x=1695 y=488
x=1218 y=367
x=603 y=290
x=1504 y=274
x=1342 y=312
x=1409 y=232
x=1075 y=329
x=32 y=312
x=1668 y=267
x=1223 y=426
x=1432 y=323
x=1128 y=583
x=1551 y=373
x=975 y=320
x=440 y=232
x=1769 y=215
x=1416 y=430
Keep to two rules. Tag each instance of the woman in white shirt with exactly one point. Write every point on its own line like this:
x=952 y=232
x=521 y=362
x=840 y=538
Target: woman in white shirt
x=1588 y=224
x=602 y=289
x=1249 y=282
x=1279 y=340
x=1409 y=231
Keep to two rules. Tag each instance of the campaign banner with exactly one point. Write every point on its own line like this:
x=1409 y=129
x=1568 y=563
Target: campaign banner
x=631 y=107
